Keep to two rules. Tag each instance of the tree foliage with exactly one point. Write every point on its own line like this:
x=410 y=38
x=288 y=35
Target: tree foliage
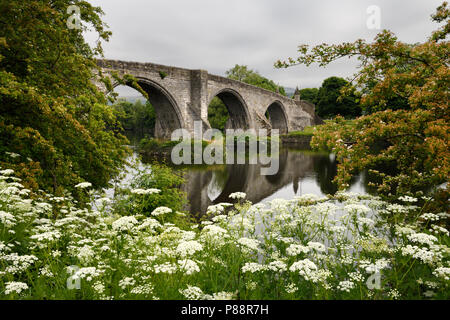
x=244 y=74
x=51 y=113
x=138 y=117
x=329 y=102
x=407 y=148
x=217 y=111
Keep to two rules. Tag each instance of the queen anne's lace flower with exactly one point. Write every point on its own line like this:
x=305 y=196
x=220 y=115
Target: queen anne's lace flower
x=188 y=266
x=253 y=267
x=346 y=286
x=296 y=249
x=304 y=267
x=187 y=248
x=192 y=293
x=124 y=223
x=422 y=238
x=16 y=287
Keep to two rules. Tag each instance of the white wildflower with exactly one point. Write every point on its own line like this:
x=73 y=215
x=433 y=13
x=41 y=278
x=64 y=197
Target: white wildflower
x=124 y=224
x=296 y=249
x=346 y=286
x=188 y=266
x=188 y=248
x=160 y=211
x=16 y=287
x=83 y=185
x=237 y=195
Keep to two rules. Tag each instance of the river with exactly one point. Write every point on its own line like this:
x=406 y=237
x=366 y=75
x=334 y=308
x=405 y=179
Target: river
x=300 y=172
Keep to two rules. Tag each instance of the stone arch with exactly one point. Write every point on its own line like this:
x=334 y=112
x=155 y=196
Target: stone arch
x=168 y=115
x=237 y=108
x=277 y=116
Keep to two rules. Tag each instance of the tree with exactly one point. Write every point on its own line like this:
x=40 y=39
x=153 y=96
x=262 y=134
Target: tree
x=53 y=119
x=309 y=94
x=244 y=74
x=329 y=104
x=407 y=149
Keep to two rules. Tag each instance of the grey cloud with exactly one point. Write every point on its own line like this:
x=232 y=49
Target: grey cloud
x=217 y=34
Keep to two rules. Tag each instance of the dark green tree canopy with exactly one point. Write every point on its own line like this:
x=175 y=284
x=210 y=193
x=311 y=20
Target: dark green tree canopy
x=329 y=102
x=244 y=74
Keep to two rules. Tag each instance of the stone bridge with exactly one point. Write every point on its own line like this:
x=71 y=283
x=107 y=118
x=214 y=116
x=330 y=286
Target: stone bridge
x=182 y=96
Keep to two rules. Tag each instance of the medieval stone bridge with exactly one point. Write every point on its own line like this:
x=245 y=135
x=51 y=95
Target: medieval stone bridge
x=182 y=96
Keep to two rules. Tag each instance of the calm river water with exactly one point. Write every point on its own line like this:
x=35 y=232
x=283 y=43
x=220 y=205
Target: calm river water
x=300 y=172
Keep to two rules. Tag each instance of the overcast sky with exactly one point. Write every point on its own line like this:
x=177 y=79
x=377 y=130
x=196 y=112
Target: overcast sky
x=217 y=34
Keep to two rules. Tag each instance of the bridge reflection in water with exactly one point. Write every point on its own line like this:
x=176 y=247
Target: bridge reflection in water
x=300 y=172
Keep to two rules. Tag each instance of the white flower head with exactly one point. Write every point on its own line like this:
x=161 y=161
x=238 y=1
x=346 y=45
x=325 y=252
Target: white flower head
x=160 y=211
x=237 y=195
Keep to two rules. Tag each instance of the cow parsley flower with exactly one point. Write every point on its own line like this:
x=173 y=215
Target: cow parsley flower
x=291 y=288
x=88 y=273
x=407 y=199
x=346 y=286
x=237 y=195
x=357 y=208
x=317 y=246
x=422 y=238
x=16 y=287
x=166 y=267
x=7 y=219
x=277 y=266
x=145 y=191
x=296 y=249
x=124 y=224
x=126 y=282
x=188 y=266
x=192 y=293
x=188 y=248
x=251 y=244
x=6 y=172
x=304 y=267
x=252 y=267
x=442 y=272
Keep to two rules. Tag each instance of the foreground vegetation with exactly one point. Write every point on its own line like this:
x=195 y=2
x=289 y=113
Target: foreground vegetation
x=305 y=248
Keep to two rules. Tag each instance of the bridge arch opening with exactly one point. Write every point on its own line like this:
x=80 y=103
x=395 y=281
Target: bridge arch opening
x=277 y=117
x=161 y=105
x=227 y=110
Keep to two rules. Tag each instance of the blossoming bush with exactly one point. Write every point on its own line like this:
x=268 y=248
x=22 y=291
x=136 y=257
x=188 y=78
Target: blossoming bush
x=344 y=247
